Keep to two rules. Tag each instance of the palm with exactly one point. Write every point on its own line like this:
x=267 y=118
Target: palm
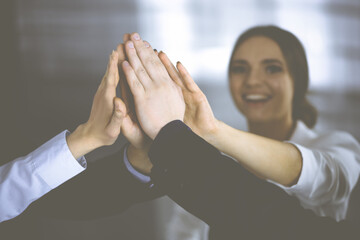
x=198 y=114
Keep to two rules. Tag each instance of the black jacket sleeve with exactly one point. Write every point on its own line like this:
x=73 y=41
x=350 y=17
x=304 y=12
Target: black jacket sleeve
x=235 y=203
x=196 y=175
x=105 y=188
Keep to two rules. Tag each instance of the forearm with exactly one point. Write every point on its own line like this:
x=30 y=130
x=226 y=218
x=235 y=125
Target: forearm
x=196 y=175
x=266 y=158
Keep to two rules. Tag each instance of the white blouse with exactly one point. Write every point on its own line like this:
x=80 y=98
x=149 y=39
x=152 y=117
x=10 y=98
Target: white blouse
x=330 y=171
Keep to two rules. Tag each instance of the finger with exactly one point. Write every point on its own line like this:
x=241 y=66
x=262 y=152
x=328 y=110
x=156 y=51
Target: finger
x=117 y=117
x=128 y=128
x=124 y=87
x=137 y=65
x=126 y=37
x=155 y=50
x=119 y=106
x=132 y=132
x=187 y=79
x=127 y=96
x=111 y=77
x=150 y=61
x=121 y=52
x=136 y=87
x=170 y=68
x=125 y=92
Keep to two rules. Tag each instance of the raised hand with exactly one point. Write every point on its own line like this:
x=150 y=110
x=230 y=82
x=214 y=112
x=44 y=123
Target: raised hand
x=106 y=117
x=198 y=114
x=137 y=151
x=130 y=127
x=158 y=100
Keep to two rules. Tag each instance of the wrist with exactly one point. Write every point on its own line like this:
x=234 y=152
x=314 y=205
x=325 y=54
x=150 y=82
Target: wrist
x=80 y=142
x=212 y=136
x=157 y=129
x=139 y=159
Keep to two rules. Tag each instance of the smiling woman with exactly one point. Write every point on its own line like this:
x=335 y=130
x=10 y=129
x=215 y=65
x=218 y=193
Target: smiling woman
x=268 y=76
x=277 y=60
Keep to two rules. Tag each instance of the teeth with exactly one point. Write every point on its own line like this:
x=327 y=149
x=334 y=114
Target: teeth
x=255 y=97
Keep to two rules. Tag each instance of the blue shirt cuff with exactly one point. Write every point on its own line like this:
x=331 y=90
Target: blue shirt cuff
x=141 y=177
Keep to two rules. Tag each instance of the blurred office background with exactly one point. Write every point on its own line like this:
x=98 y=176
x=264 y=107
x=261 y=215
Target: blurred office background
x=54 y=54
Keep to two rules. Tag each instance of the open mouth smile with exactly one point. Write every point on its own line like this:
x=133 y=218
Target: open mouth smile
x=256 y=98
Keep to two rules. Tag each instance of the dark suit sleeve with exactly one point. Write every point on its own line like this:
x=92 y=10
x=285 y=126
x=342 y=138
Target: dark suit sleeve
x=234 y=202
x=196 y=175
x=105 y=188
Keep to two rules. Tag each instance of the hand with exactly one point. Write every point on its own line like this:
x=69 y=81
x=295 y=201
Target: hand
x=158 y=100
x=106 y=117
x=198 y=114
x=130 y=127
x=137 y=151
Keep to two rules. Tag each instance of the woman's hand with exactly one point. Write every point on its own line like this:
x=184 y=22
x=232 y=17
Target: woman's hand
x=198 y=114
x=106 y=117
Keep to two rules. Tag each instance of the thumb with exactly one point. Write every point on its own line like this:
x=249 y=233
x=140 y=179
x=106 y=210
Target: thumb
x=132 y=132
x=117 y=117
x=129 y=128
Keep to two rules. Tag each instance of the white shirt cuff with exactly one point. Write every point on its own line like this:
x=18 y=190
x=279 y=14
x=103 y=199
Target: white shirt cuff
x=54 y=162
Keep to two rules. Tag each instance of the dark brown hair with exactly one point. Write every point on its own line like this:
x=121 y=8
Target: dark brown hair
x=295 y=58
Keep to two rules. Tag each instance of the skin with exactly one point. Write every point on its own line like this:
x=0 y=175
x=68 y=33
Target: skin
x=261 y=150
x=106 y=117
x=158 y=100
x=137 y=151
x=259 y=68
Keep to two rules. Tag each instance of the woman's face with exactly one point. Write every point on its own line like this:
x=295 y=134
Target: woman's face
x=260 y=82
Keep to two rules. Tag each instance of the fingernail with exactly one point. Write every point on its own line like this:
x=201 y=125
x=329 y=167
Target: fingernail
x=126 y=63
x=114 y=52
x=136 y=36
x=131 y=45
x=146 y=44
